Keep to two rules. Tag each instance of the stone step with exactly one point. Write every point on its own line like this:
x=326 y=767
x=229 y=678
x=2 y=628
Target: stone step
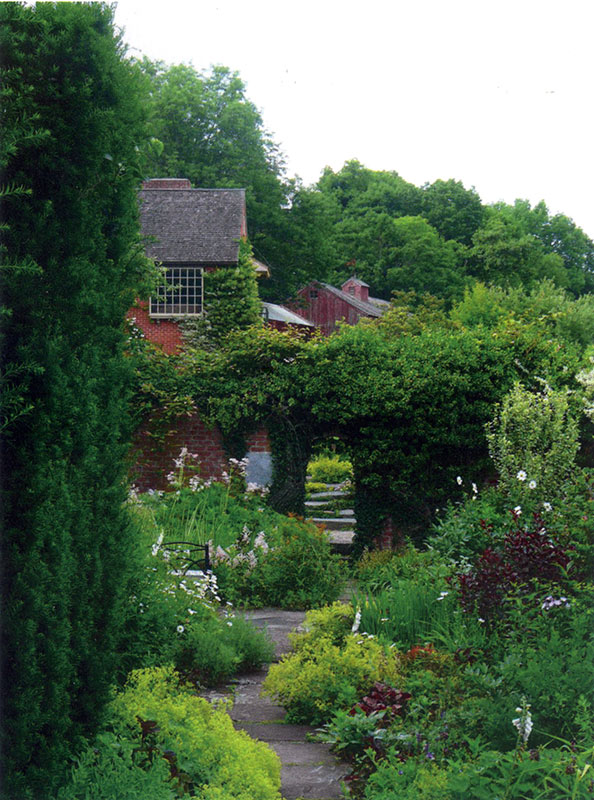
x=341 y=542
x=322 y=506
x=333 y=523
x=319 y=495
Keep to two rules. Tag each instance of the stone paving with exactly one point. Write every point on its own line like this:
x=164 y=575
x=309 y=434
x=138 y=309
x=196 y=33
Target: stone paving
x=309 y=770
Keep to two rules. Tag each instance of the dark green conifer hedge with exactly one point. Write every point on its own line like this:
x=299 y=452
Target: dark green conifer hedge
x=71 y=120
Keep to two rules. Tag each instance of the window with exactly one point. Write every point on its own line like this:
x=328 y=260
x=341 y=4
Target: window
x=313 y=293
x=180 y=295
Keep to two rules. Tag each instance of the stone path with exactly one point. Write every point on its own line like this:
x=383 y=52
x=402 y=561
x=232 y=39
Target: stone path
x=309 y=770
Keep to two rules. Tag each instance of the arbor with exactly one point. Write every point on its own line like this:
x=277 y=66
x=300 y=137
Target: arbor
x=72 y=258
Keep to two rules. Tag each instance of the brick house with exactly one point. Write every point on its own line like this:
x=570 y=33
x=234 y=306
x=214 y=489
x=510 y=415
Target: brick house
x=325 y=305
x=191 y=232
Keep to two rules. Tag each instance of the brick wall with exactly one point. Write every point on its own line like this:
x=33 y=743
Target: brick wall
x=390 y=537
x=153 y=460
x=258 y=442
x=163 y=332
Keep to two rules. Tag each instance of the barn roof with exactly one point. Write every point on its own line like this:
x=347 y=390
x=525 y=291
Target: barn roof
x=197 y=226
x=370 y=309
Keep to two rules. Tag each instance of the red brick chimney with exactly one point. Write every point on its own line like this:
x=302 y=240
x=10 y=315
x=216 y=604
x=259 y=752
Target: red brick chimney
x=167 y=183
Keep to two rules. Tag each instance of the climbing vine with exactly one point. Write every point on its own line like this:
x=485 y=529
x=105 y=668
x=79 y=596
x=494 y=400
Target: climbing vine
x=410 y=408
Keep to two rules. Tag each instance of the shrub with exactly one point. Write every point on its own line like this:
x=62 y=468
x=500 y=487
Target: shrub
x=543 y=774
x=329 y=469
x=548 y=656
x=210 y=758
x=321 y=678
x=332 y=623
x=525 y=556
x=113 y=768
x=217 y=649
x=70 y=236
x=176 y=619
x=291 y=567
x=533 y=442
x=466 y=529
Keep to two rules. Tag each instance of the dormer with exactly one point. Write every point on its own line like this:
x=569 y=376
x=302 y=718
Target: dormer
x=356 y=288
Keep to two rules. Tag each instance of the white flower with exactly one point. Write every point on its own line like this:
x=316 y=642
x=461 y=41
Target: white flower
x=442 y=595
x=474 y=488
x=357 y=621
x=180 y=629
x=157 y=545
x=521 y=476
x=532 y=485
x=518 y=510
x=547 y=506
x=459 y=481
x=523 y=724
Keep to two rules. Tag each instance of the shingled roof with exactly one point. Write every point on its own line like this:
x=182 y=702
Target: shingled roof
x=192 y=226
x=371 y=309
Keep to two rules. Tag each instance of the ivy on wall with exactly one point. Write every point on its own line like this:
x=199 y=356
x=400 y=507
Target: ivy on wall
x=411 y=408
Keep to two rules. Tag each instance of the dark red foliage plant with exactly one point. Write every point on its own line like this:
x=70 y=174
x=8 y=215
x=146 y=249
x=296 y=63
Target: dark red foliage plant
x=382 y=698
x=524 y=558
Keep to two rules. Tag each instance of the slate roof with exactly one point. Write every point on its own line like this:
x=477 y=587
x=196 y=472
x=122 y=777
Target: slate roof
x=193 y=226
x=370 y=309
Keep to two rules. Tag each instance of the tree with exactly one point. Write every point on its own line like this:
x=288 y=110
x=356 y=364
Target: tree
x=537 y=245
x=504 y=254
x=422 y=261
x=455 y=212
x=214 y=135
x=72 y=257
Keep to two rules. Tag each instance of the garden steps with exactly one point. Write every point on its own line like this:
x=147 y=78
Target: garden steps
x=309 y=770
x=333 y=523
x=340 y=524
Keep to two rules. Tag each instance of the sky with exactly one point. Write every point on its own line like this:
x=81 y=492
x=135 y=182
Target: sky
x=497 y=95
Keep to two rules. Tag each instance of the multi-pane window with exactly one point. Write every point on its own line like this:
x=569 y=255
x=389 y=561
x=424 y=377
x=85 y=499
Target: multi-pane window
x=180 y=295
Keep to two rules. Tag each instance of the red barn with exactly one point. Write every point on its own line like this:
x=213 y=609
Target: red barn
x=326 y=306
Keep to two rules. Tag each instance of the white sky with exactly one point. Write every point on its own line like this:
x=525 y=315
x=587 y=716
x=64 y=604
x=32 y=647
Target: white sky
x=495 y=94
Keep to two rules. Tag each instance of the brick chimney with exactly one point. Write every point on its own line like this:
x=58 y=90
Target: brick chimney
x=167 y=183
x=356 y=288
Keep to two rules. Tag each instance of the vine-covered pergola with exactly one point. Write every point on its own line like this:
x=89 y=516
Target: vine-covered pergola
x=409 y=408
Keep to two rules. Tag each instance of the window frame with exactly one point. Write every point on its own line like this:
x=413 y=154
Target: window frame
x=169 y=302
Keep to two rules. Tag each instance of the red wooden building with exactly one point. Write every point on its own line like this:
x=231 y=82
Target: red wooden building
x=325 y=306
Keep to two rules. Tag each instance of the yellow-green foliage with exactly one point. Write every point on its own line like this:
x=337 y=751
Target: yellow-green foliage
x=320 y=678
x=326 y=469
x=371 y=560
x=224 y=763
x=332 y=622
